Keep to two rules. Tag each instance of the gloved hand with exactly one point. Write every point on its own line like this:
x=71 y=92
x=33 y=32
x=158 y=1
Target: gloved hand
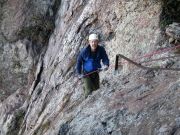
x=104 y=68
x=80 y=76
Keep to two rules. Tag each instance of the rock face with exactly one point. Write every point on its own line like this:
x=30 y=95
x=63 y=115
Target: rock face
x=39 y=57
x=174 y=31
x=23 y=37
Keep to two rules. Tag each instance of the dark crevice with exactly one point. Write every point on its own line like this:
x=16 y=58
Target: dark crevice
x=174 y=130
x=38 y=76
x=2 y=2
x=104 y=124
x=55 y=8
x=80 y=26
x=170 y=13
x=110 y=36
x=64 y=128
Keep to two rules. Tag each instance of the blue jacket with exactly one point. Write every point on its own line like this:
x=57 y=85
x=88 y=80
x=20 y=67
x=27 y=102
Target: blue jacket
x=88 y=61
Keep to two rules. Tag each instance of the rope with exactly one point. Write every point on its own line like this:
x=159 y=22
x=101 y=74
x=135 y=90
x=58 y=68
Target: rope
x=91 y=73
x=157 y=52
x=160 y=51
x=162 y=58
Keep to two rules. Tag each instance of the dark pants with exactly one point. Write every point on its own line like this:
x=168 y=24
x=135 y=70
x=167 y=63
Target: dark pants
x=91 y=83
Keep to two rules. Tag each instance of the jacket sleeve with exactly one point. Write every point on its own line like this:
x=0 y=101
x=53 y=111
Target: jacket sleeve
x=105 y=58
x=79 y=64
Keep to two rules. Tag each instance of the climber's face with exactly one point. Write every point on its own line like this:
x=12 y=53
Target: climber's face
x=93 y=44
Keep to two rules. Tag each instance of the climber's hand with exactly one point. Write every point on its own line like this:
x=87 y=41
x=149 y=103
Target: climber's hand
x=104 y=68
x=80 y=76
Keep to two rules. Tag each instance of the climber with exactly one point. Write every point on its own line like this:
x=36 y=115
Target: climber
x=89 y=61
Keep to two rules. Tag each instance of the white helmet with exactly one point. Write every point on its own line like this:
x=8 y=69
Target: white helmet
x=93 y=37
